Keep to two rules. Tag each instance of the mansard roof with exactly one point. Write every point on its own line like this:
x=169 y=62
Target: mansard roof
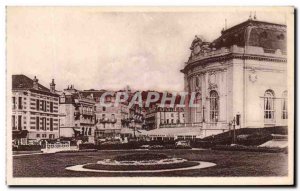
x=22 y=82
x=269 y=36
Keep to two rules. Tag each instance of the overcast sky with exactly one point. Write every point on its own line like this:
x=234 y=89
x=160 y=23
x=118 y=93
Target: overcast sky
x=109 y=50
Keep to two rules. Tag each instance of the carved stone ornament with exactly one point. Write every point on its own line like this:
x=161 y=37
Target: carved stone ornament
x=196 y=46
x=212 y=86
x=253 y=76
x=212 y=78
x=198 y=89
x=197 y=49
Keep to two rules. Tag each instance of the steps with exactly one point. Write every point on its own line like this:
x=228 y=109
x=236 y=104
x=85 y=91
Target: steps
x=279 y=141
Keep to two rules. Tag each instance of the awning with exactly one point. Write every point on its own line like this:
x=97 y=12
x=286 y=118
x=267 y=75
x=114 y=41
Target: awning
x=137 y=132
x=172 y=132
x=19 y=134
x=76 y=130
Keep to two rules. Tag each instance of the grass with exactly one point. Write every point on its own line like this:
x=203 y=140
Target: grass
x=229 y=163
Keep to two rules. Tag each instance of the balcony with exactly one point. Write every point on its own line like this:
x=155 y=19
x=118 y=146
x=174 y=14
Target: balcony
x=175 y=125
x=113 y=120
x=14 y=107
x=269 y=122
x=107 y=120
x=87 y=113
x=204 y=125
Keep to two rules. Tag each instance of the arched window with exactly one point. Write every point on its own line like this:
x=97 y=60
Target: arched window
x=269 y=105
x=214 y=106
x=284 y=114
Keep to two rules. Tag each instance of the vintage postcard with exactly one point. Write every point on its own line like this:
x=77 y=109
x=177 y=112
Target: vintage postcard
x=150 y=96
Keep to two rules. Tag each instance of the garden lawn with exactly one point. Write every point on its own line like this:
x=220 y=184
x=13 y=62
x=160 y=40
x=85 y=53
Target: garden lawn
x=229 y=163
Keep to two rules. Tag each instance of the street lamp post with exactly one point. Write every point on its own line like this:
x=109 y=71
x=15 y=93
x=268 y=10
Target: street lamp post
x=133 y=126
x=234 y=135
x=203 y=116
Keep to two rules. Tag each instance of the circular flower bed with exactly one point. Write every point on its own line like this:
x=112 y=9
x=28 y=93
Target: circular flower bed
x=146 y=161
x=140 y=157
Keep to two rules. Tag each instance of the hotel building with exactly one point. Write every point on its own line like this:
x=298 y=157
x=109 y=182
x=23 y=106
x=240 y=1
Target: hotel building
x=34 y=111
x=77 y=115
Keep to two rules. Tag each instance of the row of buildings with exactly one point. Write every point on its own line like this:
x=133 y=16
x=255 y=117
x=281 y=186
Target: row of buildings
x=239 y=78
x=39 y=113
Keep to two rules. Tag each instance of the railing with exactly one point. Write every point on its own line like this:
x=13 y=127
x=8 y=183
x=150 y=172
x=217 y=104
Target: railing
x=212 y=53
x=270 y=121
x=56 y=147
x=86 y=113
x=204 y=125
x=240 y=50
x=106 y=120
x=174 y=125
x=14 y=107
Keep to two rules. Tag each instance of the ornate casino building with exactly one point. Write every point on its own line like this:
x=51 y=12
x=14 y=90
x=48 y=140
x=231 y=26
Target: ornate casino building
x=242 y=75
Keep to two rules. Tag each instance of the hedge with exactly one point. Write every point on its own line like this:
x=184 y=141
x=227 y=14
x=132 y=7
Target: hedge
x=249 y=148
x=27 y=148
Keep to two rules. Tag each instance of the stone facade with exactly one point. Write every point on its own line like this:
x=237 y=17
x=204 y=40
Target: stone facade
x=238 y=76
x=160 y=117
x=77 y=115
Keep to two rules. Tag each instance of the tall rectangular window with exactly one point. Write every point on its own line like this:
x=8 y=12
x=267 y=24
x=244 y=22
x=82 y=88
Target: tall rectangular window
x=42 y=123
x=37 y=104
x=45 y=123
x=43 y=126
x=51 y=124
x=37 y=123
x=14 y=102
x=43 y=105
x=51 y=107
x=20 y=122
x=13 y=122
x=20 y=103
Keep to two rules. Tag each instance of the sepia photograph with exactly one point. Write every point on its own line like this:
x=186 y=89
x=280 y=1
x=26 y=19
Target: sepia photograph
x=150 y=95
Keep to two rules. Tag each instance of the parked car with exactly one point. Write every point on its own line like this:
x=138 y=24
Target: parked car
x=110 y=143
x=183 y=145
x=156 y=147
x=145 y=147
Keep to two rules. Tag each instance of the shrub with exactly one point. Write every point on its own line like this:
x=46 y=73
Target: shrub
x=140 y=157
x=27 y=148
x=86 y=146
x=75 y=151
x=248 y=148
x=140 y=167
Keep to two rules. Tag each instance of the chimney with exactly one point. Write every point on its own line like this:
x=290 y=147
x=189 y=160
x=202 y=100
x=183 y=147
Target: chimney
x=52 y=86
x=35 y=83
